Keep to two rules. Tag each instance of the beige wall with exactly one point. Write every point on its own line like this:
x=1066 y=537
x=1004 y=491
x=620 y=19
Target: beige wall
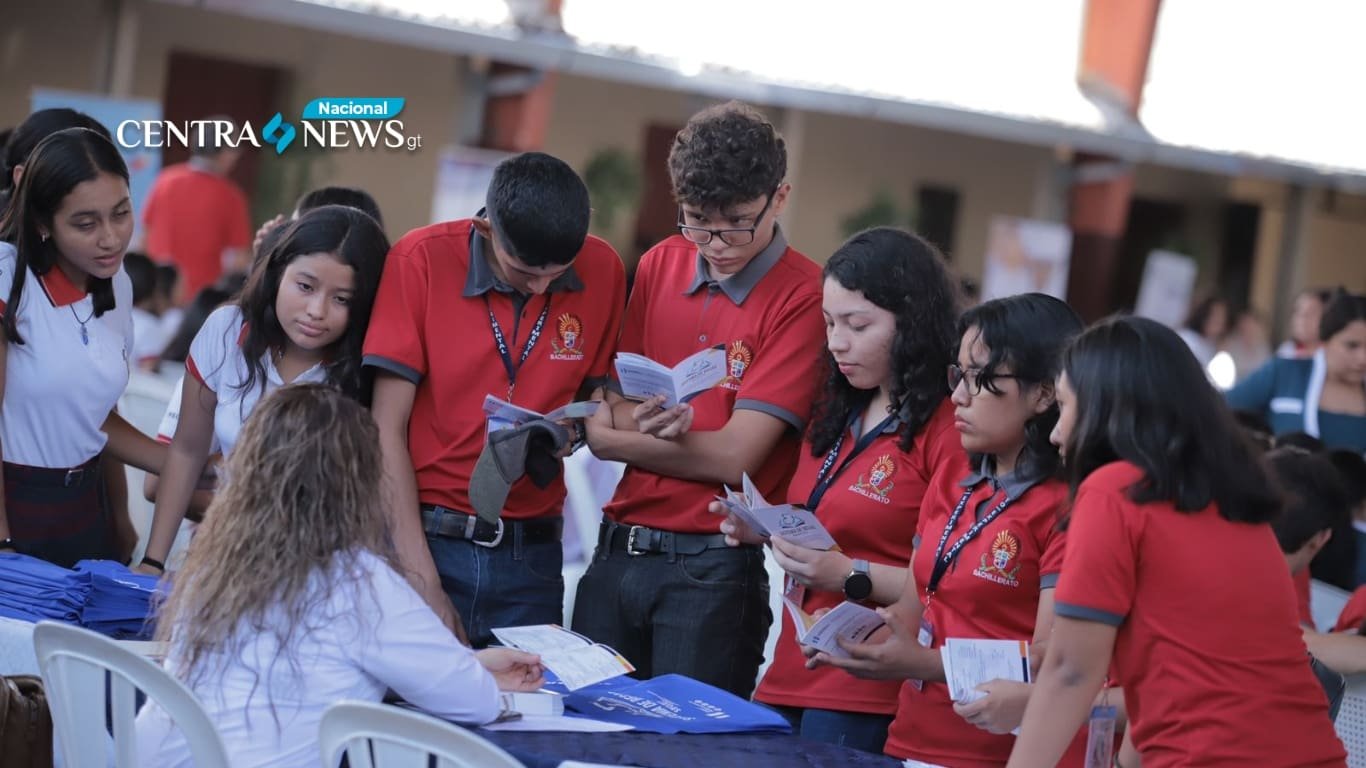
x=316 y=64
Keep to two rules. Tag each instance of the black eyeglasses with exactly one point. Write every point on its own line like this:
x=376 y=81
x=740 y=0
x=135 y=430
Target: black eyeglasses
x=743 y=236
x=975 y=380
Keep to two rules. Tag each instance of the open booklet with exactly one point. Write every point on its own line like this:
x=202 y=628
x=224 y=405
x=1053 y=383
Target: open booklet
x=642 y=378
x=791 y=522
x=847 y=621
x=575 y=660
x=969 y=663
x=502 y=414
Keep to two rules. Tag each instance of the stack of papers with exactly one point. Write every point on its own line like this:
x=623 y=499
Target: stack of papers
x=790 y=522
x=34 y=590
x=120 y=601
x=503 y=415
x=573 y=658
x=642 y=378
x=969 y=663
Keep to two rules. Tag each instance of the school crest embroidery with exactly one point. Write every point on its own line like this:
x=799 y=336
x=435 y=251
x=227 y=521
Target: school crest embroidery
x=996 y=564
x=877 y=483
x=568 y=341
x=738 y=359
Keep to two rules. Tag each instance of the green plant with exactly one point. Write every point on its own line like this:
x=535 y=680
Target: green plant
x=882 y=210
x=613 y=180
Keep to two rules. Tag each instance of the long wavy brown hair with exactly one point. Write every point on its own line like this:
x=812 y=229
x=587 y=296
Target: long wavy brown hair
x=301 y=500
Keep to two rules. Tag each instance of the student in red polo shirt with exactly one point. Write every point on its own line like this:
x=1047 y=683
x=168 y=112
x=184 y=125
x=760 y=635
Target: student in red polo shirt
x=517 y=302
x=881 y=428
x=1171 y=570
x=663 y=588
x=988 y=551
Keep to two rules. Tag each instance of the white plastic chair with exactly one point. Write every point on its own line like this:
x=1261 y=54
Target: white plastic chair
x=74 y=662
x=1326 y=603
x=1351 y=722
x=380 y=736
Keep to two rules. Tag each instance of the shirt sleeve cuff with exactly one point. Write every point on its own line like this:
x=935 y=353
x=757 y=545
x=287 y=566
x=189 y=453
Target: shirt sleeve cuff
x=782 y=414
x=1086 y=613
x=393 y=366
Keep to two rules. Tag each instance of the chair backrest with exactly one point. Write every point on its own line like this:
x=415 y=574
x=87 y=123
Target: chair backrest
x=1351 y=721
x=75 y=661
x=381 y=736
x=1326 y=603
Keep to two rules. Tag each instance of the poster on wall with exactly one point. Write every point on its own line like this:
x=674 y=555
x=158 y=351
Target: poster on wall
x=144 y=163
x=1026 y=256
x=462 y=181
x=1168 y=283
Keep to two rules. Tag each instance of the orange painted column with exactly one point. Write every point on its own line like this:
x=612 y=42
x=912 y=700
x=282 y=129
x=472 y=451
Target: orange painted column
x=517 y=121
x=1117 y=41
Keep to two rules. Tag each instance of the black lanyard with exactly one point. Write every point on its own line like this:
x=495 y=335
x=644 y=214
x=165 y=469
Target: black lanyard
x=824 y=478
x=942 y=559
x=502 y=344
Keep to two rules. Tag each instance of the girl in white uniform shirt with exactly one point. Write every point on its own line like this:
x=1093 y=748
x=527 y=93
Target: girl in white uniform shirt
x=289 y=601
x=301 y=318
x=66 y=303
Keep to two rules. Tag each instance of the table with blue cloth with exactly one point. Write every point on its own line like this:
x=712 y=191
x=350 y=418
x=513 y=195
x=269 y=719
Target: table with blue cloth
x=684 y=750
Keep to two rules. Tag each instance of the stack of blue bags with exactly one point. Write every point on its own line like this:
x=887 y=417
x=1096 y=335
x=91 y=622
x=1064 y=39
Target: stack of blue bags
x=34 y=590
x=100 y=595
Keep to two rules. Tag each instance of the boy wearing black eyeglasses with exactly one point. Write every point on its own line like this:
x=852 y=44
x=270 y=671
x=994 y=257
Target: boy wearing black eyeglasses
x=663 y=588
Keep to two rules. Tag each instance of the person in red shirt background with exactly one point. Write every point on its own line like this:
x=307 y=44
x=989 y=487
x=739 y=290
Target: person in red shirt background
x=196 y=217
x=881 y=428
x=1171 y=571
x=987 y=551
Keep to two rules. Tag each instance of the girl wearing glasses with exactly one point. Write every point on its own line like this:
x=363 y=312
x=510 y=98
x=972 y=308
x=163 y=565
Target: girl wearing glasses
x=882 y=427
x=987 y=549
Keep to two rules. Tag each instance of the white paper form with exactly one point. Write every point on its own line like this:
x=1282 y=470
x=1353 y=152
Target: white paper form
x=502 y=414
x=969 y=663
x=575 y=660
x=789 y=522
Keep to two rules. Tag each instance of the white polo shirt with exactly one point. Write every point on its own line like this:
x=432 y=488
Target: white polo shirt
x=59 y=389
x=216 y=360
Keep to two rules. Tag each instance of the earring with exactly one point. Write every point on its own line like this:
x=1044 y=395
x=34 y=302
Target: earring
x=44 y=237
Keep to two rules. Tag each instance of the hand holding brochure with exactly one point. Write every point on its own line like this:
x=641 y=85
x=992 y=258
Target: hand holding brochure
x=969 y=663
x=575 y=660
x=790 y=522
x=847 y=621
x=502 y=414
x=642 y=378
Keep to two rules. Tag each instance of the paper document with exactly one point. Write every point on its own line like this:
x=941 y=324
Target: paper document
x=575 y=660
x=538 y=703
x=502 y=414
x=557 y=723
x=642 y=378
x=847 y=621
x=969 y=663
x=789 y=522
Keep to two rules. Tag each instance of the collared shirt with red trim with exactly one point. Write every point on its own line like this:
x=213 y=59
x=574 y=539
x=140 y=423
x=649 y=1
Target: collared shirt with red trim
x=990 y=591
x=216 y=360
x=430 y=326
x=1209 y=646
x=59 y=389
x=768 y=318
x=871 y=509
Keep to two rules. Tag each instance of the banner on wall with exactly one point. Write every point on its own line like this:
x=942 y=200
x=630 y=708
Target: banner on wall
x=1167 y=287
x=1026 y=256
x=462 y=181
x=144 y=163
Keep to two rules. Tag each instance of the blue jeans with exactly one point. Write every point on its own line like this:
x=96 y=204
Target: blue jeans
x=705 y=615
x=516 y=583
x=858 y=730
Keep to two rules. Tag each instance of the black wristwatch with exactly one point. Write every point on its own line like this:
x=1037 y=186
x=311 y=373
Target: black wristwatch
x=858 y=585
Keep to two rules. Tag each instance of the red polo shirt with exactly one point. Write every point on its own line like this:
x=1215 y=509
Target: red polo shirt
x=431 y=326
x=768 y=318
x=1209 y=648
x=191 y=216
x=991 y=591
x=871 y=509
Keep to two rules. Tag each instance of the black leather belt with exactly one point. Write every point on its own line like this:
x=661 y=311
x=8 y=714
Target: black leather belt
x=638 y=540
x=440 y=521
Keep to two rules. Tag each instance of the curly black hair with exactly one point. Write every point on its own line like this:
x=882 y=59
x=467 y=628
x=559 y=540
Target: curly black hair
x=905 y=275
x=726 y=155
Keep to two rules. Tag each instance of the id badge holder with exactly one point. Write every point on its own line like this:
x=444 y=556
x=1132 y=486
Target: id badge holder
x=926 y=639
x=794 y=591
x=1100 y=736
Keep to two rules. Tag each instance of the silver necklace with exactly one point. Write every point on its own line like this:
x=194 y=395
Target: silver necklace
x=85 y=334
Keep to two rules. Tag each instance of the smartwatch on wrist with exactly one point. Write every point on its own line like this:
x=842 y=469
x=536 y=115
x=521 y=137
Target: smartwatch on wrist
x=858 y=585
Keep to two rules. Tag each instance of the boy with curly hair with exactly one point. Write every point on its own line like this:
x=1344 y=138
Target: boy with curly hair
x=663 y=588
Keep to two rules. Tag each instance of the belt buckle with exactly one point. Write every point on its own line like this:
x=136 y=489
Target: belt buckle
x=631 y=542
x=73 y=476
x=497 y=536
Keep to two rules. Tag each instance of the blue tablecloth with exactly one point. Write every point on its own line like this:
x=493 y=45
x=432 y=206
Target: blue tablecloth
x=652 y=750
